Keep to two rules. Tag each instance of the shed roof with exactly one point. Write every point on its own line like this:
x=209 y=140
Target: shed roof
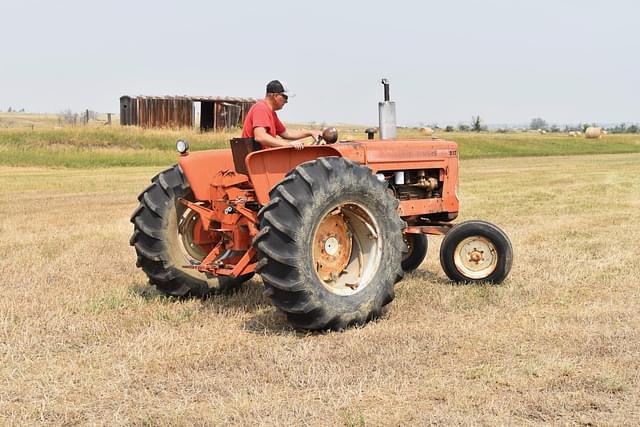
x=194 y=98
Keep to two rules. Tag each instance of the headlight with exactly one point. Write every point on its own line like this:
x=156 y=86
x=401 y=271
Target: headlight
x=182 y=146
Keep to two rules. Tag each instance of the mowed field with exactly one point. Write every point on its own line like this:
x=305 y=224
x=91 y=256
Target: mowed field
x=84 y=340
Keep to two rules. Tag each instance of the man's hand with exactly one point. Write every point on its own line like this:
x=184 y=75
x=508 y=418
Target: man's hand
x=297 y=144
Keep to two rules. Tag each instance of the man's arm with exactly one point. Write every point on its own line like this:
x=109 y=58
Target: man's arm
x=261 y=135
x=299 y=134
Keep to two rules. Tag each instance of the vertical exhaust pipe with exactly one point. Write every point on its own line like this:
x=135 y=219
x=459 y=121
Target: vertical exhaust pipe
x=387 y=119
x=387 y=114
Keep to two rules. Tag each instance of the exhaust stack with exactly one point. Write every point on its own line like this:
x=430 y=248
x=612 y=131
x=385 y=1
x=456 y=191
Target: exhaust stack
x=387 y=114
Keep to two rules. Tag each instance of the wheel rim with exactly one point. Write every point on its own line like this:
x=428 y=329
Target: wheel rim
x=476 y=257
x=196 y=242
x=346 y=249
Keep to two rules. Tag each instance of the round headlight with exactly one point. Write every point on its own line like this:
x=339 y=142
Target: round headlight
x=182 y=146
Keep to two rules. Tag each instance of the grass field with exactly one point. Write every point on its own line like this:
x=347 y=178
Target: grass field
x=105 y=146
x=84 y=340
x=28 y=120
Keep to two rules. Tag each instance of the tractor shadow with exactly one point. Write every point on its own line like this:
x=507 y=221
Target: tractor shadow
x=248 y=298
x=264 y=318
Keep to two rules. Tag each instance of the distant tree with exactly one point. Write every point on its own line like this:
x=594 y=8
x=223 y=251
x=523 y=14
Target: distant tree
x=554 y=128
x=449 y=128
x=584 y=126
x=476 y=123
x=617 y=128
x=633 y=129
x=537 y=123
x=9 y=110
x=21 y=110
x=463 y=128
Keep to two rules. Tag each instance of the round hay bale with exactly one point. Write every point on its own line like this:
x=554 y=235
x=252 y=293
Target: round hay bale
x=593 y=133
x=426 y=131
x=572 y=134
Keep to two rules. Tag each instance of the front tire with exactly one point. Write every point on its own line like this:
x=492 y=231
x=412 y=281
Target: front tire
x=330 y=245
x=476 y=251
x=417 y=245
x=166 y=235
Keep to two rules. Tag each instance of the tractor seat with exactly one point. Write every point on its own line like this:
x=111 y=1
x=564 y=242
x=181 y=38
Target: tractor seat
x=240 y=148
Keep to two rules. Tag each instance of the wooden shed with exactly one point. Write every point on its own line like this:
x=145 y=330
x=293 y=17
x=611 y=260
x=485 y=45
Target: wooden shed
x=216 y=112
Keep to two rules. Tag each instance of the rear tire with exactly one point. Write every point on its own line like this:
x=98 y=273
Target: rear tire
x=476 y=251
x=163 y=231
x=330 y=245
x=417 y=245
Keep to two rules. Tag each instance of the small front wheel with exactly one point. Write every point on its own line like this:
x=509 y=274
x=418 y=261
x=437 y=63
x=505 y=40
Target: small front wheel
x=476 y=251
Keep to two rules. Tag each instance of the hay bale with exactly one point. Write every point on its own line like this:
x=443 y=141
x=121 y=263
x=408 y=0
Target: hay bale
x=426 y=131
x=593 y=133
x=572 y=134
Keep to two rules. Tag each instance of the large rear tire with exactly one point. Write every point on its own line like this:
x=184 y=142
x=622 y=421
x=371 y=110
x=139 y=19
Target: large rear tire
x=164 y=233
x=330 y=245
x=476 y=251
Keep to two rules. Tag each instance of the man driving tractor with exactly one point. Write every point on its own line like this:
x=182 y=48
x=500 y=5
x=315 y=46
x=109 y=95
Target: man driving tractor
x=263 y=125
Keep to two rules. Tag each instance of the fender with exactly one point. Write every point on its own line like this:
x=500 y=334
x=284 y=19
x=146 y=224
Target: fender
x=201 y=167
x=268 y=167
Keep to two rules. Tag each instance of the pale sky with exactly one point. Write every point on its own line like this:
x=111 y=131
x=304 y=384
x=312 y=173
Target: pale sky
x=508 y=61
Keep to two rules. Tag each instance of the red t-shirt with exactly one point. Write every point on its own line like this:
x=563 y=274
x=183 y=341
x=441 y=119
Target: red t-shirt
x=260 y=115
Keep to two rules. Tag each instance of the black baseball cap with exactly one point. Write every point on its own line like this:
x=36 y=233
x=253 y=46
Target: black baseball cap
x=274 y=86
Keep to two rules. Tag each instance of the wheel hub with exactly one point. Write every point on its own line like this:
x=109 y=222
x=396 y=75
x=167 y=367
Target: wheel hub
x=346 y=249
x=476 y=257
x=332 y=247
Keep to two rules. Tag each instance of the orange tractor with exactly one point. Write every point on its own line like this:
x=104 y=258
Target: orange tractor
x=330 y=228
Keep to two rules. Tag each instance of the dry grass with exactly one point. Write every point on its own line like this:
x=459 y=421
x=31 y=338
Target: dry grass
x=48 y=120
x=28 y=120
x=83 y=340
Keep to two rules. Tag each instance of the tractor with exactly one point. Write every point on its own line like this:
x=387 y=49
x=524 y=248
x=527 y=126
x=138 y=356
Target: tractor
x=330 y=228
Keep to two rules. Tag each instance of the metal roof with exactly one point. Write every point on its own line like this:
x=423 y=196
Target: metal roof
x=194 y=98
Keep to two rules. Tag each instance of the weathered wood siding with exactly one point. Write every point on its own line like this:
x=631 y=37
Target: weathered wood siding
x=179 y=111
